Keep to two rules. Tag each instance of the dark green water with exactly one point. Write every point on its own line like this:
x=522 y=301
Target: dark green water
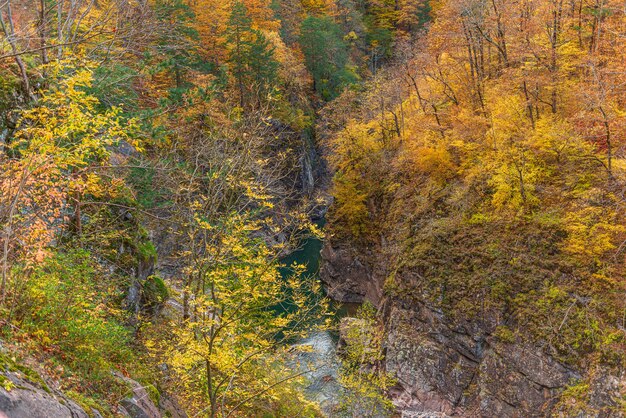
x=323 y=386
x=308 y=254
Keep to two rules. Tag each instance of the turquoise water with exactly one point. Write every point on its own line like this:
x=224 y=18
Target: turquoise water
x=308 y=254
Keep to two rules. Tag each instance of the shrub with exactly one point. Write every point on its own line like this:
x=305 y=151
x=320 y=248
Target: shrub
x=65 y=310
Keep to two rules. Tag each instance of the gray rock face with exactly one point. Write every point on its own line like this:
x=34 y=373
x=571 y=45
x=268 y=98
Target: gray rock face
x=449 y=372
x=26 y=400
x=607 y=394
x=171 y=407
x=317 y=353
x=520 y=381
x=446 y=370
x=139 y=405
x=347 y=276
x=432 y=371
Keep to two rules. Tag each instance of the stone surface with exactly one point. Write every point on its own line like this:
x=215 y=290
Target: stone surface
x=432 y=376
x=450 y=372
x=607 y=393
x=450 y=368
x=446 y=371
x=346 y=275
x=519 y=381
x=171 y=407
x=317 y=353
x=28 y=400
x=139 y=405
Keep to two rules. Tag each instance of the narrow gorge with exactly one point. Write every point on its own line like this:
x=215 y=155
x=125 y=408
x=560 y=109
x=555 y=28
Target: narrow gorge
x=312 y=208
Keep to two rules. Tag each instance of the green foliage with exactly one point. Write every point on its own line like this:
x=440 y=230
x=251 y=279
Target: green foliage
x=177 y=42
x=65 y=124
x=68 y=313
x=146 y=250
x=358 y=159
x=113 y=87
x=380 y=42
x=89 y=403
x=251 y=56
x=77 y=233
x=155 y=291
x=326 y=56
x=238 y=338
x=142 y=181
x=504 y=334
x=8 y=85
x=574 y=399
x=6 y=383
x=9 y=364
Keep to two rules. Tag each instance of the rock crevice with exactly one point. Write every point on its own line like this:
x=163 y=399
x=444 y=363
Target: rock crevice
x=448 y=367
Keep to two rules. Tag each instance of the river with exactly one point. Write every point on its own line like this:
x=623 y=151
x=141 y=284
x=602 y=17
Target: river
x=318 y=351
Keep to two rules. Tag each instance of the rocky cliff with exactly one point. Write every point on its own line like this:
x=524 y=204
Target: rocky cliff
x=348 y=274
x=22 y=398
x=447 y=367
x=24 y=394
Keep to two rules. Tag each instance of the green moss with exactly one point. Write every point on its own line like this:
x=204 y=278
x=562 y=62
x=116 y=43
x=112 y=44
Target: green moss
x=6 y=383
x=89 y=404
x=153 y=393
x=10 y=365
x=146 y=250
x=479 y=218
x=155 y=291
x=574 y=398
x=578 y=390
x=504 y=334
x=390 y=286
x=88 y=339
x=143 y=180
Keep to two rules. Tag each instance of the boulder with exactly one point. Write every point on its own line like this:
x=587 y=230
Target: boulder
x=139 y=404
x=347 y=276
x=21 y=398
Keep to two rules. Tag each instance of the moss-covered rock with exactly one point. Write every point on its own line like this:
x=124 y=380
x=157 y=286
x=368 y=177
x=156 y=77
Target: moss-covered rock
x=154 y=292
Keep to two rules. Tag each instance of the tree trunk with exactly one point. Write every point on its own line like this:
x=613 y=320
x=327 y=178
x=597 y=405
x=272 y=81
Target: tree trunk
x=8 y=28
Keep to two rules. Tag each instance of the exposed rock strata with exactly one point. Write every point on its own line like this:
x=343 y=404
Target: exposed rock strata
x=20 y=397
x=26 y=399
x=451 y=372
x=347 y=275
x=461 y=369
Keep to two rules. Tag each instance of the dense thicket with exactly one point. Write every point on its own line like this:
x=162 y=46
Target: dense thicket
x=173 y=134
x=489 y=160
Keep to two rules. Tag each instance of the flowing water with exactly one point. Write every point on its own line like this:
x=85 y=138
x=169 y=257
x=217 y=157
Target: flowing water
x=317 y=352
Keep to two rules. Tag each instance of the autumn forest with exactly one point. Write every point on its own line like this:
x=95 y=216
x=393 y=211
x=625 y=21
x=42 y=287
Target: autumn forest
x=312 y=208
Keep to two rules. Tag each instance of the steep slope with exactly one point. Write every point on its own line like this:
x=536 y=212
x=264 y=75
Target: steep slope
x=479 y=204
